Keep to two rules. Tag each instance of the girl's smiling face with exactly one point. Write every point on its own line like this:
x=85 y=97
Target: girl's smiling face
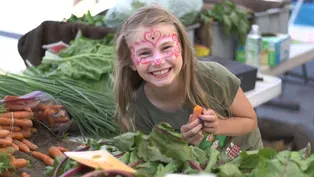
x=156 y=54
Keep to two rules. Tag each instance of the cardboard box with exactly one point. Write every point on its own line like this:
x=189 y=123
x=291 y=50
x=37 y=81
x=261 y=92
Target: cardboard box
x=275 y=49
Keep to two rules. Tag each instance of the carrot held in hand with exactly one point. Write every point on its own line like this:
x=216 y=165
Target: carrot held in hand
x=30 y=145
x=43 y=157
x=197 y=111
x=55 y=152
x=4 y=133
x=18 y=115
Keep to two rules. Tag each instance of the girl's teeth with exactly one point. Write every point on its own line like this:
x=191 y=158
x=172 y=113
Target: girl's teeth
x=161 y=72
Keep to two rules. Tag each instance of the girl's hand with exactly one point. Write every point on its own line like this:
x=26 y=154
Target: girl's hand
x=210 y=121
x=192 y=132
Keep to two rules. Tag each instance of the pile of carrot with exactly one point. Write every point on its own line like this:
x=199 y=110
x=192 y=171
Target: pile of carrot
x=16 y=126
x=51 y=114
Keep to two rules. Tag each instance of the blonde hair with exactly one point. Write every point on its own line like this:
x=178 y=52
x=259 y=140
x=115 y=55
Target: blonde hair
x=128 y=81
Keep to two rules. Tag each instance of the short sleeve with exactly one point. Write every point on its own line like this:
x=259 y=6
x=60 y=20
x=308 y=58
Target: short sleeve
x=219 y=82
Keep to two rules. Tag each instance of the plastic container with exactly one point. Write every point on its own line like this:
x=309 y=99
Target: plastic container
x=222 y=45
x=191 y=31
x=274 y=20
x=253 y=47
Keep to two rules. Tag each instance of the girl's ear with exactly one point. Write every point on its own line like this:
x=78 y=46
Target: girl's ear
x=132 y=66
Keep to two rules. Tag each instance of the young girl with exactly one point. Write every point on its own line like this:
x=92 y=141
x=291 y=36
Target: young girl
x=158 y=79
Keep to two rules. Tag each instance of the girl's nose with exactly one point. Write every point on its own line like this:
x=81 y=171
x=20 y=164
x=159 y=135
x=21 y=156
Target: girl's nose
x=158 y=61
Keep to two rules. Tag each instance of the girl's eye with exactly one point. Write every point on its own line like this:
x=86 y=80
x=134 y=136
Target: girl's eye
x=166 y=47
x=144 y=53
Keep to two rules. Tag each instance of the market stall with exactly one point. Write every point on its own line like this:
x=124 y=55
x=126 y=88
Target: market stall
x=67 y=91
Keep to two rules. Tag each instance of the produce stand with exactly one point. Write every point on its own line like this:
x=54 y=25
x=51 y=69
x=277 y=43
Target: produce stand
x=80 y=79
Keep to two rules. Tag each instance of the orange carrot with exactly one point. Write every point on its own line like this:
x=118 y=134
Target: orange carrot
x=30 y=145
x=43 y=157
x=62 y=149
x=19 y=163
x=5 y=142
x=51 y=122
x=26 y=133
x=13 y=129
x=18 y=122
x=55 y=152
x=49 y=112
x=16 y=147
x=22 y=146
x=16 y=135
x=197 y=111
x=18 y=107
x=24 y=174
x=61 y=120
x=8 y=149
x=18 y=114
x=4 y=133
x=34 y=130
x=50 y=106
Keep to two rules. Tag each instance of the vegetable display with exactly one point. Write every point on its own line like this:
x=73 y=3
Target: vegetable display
x=164 y=151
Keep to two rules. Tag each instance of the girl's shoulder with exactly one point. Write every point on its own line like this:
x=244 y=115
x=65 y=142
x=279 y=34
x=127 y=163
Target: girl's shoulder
x=214 y=73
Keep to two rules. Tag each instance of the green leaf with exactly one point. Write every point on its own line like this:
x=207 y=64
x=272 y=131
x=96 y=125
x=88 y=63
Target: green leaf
x=5 y=162
x=171 y=167
x=250 y=159
x=125 y=158
x=212 y=155
x=148 y=168
x=229 y=170
x=147 y=150
x=123 y=142
x=170 y=143
x=133 y=157
x=187 y=169
x=199 y=155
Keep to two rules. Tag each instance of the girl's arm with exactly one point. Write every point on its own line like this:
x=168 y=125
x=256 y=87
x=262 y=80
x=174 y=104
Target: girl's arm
x=243 y=118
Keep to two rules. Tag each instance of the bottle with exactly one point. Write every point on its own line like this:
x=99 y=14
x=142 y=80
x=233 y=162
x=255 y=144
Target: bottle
x=253 y=47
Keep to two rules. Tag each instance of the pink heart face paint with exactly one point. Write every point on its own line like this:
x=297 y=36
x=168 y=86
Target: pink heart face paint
x=155 y=47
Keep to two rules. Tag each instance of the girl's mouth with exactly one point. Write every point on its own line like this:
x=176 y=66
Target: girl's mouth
x=161 y=73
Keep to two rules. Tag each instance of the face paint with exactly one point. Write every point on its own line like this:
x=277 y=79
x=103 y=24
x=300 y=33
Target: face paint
x=153 y=42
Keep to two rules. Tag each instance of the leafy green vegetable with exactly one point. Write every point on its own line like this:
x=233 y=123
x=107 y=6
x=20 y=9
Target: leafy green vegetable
x=80 y=78
x=151 y=161
x=87 y=18
x=169 y=142
x=234 y=21
x=89 y=61
x=5 y=162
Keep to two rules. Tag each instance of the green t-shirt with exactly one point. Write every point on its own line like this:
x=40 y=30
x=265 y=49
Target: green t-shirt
x=146 y=115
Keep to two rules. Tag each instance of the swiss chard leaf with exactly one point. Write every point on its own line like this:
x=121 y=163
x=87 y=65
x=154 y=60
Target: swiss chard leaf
x=147 y=151
x=123 y=142
x=229 y=170
x=170 y=143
